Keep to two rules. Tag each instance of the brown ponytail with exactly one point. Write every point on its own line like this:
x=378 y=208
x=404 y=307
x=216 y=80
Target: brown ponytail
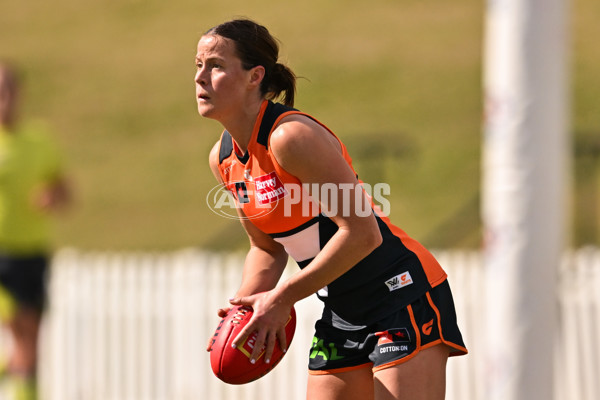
x=255 y=46
x=282 y=80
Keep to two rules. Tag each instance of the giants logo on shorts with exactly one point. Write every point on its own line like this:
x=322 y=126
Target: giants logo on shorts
x=399 y=281
x=269 y=188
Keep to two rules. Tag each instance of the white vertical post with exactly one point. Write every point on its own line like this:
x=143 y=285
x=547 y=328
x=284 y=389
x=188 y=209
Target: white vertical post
x=524 y=184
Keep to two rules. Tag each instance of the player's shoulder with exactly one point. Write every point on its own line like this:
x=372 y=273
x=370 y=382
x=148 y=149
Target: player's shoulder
x=301 y=134
x=296 y=130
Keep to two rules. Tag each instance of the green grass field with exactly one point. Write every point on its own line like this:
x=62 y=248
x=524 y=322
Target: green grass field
x=114 y=79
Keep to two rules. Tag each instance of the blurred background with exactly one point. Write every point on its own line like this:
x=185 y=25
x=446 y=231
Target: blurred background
x=399 y=82
x=114 y=80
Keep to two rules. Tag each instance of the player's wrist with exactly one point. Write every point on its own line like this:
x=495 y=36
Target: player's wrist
x=283 y=295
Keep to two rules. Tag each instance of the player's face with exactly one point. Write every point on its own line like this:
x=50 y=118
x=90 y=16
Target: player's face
x=221 y=81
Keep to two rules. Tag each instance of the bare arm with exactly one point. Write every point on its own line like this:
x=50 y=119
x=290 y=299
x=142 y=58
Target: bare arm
x=264 y=263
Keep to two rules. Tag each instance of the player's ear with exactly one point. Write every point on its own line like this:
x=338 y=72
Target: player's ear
x=257 y=74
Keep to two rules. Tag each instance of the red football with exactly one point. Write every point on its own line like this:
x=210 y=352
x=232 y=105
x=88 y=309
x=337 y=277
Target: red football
x=232 y=365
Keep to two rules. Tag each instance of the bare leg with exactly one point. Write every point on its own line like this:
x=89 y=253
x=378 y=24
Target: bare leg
x=422 y=378
x=350 y=385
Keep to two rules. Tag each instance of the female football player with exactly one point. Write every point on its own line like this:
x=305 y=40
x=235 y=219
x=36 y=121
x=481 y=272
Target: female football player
x=388 y=324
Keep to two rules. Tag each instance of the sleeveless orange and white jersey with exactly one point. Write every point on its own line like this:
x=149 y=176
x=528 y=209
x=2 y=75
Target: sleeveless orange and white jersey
x=396 y=273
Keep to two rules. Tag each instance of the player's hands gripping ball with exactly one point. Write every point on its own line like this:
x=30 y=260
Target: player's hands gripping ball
x=232 y=365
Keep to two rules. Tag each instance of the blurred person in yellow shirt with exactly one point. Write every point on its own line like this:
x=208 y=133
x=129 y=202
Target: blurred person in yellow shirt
x=31 y=185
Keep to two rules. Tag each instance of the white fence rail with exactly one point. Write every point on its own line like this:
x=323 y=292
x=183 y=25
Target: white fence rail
x=135 y=327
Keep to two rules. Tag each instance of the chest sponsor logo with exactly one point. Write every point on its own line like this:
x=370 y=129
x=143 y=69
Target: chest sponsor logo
x=269 y=188
x=399 y=281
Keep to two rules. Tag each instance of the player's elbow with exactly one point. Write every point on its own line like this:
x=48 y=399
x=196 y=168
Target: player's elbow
x=362 y=237
x=369 y=238
x=373 y=239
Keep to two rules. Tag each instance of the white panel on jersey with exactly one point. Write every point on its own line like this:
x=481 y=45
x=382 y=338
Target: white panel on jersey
x=323 y=292
x=303 y=245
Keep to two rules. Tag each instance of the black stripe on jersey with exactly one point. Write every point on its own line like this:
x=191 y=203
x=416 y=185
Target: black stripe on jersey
x=273 y=111
x=227 y=148
x=243 y=159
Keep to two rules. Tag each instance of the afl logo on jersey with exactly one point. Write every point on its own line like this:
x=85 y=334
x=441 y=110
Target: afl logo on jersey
x=269 y=188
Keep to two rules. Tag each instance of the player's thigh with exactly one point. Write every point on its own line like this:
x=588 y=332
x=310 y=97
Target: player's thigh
x=349 y=385
x=421 y=378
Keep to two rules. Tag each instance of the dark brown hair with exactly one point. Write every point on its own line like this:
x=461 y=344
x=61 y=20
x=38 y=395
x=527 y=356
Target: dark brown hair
x=255 y=46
